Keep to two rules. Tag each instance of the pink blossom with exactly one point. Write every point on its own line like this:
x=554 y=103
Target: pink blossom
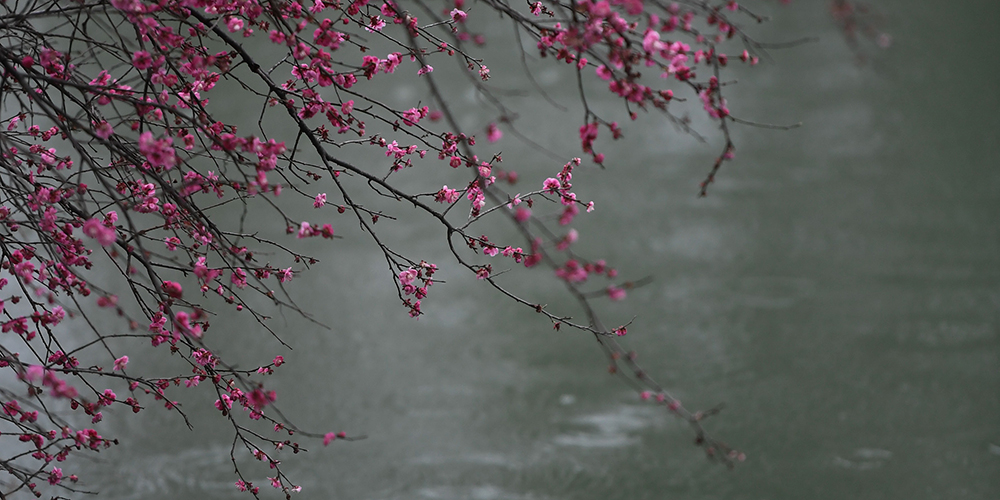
x=183 y=322
x=239 y=277
x=375 y=24
x=305 y=230
x=320 y=200
x=551 y=185
x=493 y=134
x=447 y=195
x=120 y=363
x=34 y=373
x=159 y=152
x=651 y=41
x=234 y=24
x=95 y=229
x=173 y=289
x=202 y=271
x=106 y=301
x=260 y=398
x=55 y=477
x=103 y=130
x=204 y=357
x=604 y=73
x=225 y=402
x=425 y=69
x=567 y=240
x=616 y=293
x=406 y=277
x=142 y=60
x=522 y=214
x=458 y=15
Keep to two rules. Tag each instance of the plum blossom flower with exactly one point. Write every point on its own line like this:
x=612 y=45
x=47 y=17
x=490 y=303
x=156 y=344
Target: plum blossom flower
x=305 y=230
x=493 y=133
x=55 y=477
x=234 y=24
x=96 y=229
x=120 y=363
x=239 y=277
x=103 y=130
x=447 y=195
x=173 y=289
x=159 y=152
x=183 y=322
x=142 y=60
x=406 y=277
x=522 y=214
x=34 y=373
x=375 y=24
x=320 y=200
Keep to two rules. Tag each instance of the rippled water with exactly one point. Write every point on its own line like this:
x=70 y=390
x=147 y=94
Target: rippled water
x=839 y=290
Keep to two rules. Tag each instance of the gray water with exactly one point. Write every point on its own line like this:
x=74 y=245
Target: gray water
x=839 y=291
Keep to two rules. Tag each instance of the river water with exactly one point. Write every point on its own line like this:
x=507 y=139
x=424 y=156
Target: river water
x=838 y=290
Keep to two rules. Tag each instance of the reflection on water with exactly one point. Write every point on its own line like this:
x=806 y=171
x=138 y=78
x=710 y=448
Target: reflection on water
x=864 y=459
x=487 y=492
x=613 y=429
x=194 y=471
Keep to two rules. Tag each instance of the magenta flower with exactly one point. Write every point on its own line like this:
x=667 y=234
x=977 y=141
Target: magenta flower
x=103 y=130
x=493 y=134
x=173 y=289
x=95 y=229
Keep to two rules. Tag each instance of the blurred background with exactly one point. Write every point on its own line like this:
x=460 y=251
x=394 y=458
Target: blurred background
x=838 y=290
